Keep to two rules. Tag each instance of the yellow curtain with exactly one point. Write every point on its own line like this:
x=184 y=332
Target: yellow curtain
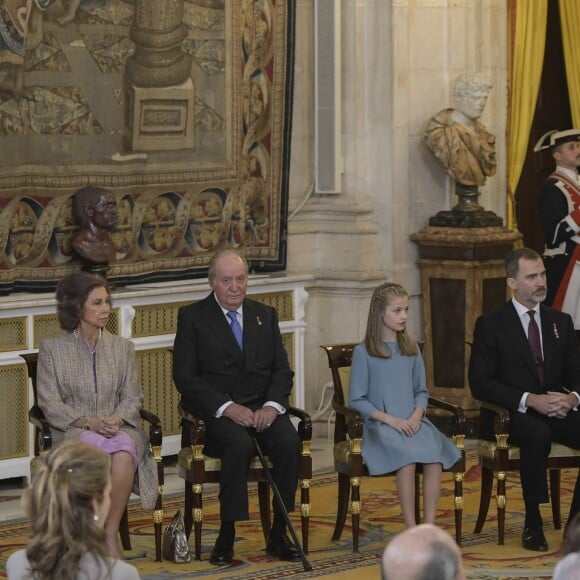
x=570 y=22
x=527 y=20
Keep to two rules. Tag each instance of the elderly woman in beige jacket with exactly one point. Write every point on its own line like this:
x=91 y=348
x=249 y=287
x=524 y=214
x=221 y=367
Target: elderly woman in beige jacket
x=89 y=389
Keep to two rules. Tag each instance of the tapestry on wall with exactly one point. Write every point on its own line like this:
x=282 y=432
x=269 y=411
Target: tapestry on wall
x=181 y=108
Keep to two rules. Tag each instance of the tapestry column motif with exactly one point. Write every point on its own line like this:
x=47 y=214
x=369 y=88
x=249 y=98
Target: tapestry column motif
x=159 y=91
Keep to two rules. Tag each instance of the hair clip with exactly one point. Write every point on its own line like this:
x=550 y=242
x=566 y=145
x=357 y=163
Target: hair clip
x=556 y=331
x=258 y=320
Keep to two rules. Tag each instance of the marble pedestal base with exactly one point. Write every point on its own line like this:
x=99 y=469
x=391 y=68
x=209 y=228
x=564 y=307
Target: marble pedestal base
x=462 y=276
x=465 y=219
x=159 y=118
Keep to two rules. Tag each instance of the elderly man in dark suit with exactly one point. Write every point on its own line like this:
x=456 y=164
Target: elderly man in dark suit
x=230 y=366
x=525 y=357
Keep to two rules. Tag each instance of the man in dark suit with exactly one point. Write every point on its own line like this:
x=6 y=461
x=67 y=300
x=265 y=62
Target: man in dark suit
x=533 y=373
x=230 y=366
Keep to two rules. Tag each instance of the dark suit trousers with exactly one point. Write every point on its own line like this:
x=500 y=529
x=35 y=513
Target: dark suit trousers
x=534 y=434
x=234 y=446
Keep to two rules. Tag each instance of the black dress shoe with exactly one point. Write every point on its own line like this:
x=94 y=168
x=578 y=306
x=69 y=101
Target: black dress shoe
x=282 y=548
x=222 y=553
x=534 y=539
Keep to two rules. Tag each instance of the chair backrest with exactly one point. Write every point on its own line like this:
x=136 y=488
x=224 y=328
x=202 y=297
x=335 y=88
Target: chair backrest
x=31 y=359
x=339 y=362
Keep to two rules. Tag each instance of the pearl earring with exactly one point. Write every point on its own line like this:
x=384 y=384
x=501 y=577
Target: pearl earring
x=96 y=517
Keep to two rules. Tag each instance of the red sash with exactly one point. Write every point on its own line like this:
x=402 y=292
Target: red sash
x=573 y=191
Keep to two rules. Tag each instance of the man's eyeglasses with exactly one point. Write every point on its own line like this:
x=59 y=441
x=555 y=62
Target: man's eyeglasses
x=227 y=282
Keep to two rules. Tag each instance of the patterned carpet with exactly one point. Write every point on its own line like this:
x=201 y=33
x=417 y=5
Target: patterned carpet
x=380 y=517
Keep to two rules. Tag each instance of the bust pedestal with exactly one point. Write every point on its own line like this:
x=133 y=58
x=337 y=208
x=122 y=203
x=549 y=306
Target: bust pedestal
x=467 y=213
x=462 y=276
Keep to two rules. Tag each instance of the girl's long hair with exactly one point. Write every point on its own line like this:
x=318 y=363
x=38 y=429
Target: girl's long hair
x=382 y=296
x=60 y=508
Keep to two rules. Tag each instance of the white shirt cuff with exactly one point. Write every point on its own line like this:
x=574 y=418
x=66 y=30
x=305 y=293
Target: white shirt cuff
x=575 y=407
x=281 y=410
x=221 y=409
x=522 y=406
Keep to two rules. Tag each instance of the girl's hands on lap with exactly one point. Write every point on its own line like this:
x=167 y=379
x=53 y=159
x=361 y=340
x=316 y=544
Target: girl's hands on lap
x=415 y=422
x=404 y=426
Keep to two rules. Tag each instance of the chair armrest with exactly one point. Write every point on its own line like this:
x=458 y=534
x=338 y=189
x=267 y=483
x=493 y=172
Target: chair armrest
x=195 y=425
x=300 y=413
x=353 y=419
x=155 y=429
x=455 y=410
x=305 y=424
x=150 y=417
x=43 y=435
x=502 y=417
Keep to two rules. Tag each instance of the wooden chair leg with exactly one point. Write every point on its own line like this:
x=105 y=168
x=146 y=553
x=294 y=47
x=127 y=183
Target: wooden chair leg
x=484 y=497
x=188 y=508
x=158 y=526
x=305 y=511
x=342 y=505
x=158 y=513
x=417 y=498
x=264 y=503
x=501 y=504
x=458 y=477
x=355 y=506
x=124 y=531
x=197 y=518
x=555 y=497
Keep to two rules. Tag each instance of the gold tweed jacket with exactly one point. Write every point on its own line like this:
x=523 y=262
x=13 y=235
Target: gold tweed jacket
x=66 y=392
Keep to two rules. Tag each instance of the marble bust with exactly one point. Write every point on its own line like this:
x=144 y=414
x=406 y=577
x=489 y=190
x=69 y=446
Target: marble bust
x=459 y=141
x=95 y=210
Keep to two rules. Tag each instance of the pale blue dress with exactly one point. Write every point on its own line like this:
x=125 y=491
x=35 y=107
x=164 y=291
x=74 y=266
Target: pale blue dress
x=395 y=386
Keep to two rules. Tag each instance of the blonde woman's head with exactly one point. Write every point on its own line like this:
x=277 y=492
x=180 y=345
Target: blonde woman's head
x=67 y=504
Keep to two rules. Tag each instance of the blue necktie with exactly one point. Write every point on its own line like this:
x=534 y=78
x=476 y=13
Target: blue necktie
x=236 y=328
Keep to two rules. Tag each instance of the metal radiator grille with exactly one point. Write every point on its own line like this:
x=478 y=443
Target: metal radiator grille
x=13 y=334
x=281 y=301
x=161 y=396
x=47 y=326
x=155 y=319
x=13 y=411
x=288 y=341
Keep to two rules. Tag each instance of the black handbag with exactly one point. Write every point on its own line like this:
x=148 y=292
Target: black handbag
x=175 y=546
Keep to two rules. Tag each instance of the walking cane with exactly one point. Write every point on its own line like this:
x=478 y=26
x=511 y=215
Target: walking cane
x=305 y=563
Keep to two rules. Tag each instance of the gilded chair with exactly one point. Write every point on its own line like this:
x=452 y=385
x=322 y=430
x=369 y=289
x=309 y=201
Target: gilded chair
x=348 y=434
x=498 y=457
x=43 y=442
x=198 y=469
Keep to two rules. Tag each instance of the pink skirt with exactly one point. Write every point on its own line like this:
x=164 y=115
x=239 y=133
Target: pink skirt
x=120 y=442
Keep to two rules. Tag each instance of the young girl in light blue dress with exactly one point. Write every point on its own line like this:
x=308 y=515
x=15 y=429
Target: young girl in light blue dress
x=388 y=388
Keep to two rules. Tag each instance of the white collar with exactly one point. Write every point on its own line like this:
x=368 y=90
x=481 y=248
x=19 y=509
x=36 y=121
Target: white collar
x=571 y=174
x=521 y=309
x=240 y=310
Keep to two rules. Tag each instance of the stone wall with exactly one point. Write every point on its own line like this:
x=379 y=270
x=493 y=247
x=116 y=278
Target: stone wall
x=400 y=59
